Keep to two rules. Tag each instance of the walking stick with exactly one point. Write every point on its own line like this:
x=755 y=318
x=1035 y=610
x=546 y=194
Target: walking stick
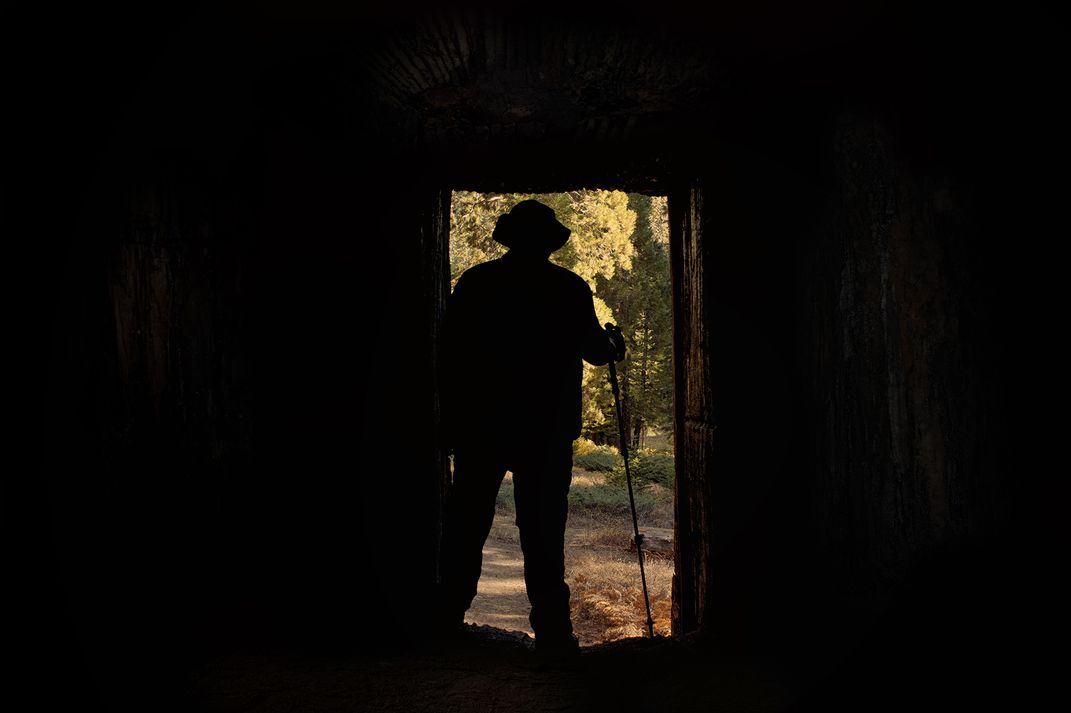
x=623 y=447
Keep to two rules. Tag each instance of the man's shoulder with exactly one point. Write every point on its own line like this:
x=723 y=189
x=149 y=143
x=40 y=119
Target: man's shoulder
x=494 y=272
x=479 y=272
x=570 y=278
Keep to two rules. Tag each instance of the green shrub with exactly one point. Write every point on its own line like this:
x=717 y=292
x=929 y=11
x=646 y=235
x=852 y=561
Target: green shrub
x=603 y=460
x=646 y=469
x=583 y=446
x=609 y=499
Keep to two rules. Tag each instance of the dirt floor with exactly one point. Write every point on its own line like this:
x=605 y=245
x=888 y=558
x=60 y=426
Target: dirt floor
x=601 y=568
x=492 y=671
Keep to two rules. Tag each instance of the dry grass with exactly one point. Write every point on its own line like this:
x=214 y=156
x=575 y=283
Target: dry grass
x=604 y=575
x=607 y=600
x=586 y=479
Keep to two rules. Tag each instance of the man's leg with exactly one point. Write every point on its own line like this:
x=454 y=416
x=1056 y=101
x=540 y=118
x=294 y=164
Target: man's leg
x=541 y=489
x=469 y=514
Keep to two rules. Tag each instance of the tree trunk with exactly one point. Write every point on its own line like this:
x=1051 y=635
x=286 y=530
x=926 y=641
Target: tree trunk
x=637 y=432
x=626 y=402
x=646 y=352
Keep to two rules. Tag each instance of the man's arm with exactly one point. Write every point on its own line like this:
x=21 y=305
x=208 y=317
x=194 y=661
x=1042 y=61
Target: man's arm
x=597 y=347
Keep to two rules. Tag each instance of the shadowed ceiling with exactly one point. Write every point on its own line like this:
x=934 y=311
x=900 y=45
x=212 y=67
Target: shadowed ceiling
x=612 y=90
x=472 y=79
x=504 y=96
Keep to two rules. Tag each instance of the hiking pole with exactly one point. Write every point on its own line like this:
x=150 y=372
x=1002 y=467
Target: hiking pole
x=623 y=447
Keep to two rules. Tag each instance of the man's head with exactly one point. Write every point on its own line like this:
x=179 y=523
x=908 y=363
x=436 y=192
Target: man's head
x=530 y=227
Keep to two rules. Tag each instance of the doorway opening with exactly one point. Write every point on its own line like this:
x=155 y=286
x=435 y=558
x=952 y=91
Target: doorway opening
x=620 y=244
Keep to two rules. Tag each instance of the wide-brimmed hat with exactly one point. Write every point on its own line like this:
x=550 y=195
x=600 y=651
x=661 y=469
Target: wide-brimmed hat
x=530 y=224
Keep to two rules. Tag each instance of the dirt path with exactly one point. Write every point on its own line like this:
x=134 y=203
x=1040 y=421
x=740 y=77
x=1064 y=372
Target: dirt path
x=501 y=600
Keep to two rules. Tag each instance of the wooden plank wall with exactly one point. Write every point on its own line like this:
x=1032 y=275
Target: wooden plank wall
x=693 y=428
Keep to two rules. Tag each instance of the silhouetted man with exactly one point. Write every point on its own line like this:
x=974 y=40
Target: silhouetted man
x=514 y=334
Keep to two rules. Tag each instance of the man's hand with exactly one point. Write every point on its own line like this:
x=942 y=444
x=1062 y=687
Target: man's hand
x=617 y=341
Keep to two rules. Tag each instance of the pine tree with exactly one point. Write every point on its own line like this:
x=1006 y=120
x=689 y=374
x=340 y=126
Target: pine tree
x=640 y=301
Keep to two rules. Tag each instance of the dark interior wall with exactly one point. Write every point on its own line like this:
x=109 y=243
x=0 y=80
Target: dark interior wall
x=237 y=404
x=910 y=503
x=842 y=396
x=906 y=363
x=845 y=384
x=853 y=393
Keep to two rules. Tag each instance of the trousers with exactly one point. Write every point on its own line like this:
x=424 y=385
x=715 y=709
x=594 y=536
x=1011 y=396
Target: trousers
x=541 y=478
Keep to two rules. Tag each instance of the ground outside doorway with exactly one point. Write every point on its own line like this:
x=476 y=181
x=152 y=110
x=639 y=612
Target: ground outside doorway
x=601 y=565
